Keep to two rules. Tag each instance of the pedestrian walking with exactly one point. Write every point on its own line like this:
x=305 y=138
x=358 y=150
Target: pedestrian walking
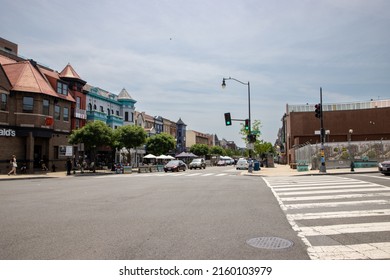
x=13 y=165
x=68 y=166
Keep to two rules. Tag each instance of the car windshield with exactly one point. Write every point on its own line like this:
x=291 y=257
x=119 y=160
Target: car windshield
x=173 y=163
x=196 y=160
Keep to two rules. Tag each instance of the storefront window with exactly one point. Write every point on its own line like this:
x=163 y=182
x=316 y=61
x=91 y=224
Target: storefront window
x=28 y=104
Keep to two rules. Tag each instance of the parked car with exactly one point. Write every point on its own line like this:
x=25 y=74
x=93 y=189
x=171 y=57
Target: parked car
x=198 y=163
x=175 y=165
x=221 y=163
x=384 y=167
x=242 y=163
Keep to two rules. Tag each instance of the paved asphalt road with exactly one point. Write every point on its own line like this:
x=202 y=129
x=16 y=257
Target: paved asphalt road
x=196 y=214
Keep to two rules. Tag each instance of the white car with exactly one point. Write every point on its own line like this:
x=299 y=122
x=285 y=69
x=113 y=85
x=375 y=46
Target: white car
x=242 y=163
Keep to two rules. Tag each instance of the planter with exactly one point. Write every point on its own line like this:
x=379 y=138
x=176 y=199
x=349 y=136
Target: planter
x=302 y=167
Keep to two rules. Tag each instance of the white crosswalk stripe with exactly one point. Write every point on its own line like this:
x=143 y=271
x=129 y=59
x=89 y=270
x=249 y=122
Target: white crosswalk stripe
x=334 y=215
x=170 y=174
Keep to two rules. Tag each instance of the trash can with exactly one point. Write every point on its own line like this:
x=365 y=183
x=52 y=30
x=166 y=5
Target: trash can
x=256 y=166
x=118 y=168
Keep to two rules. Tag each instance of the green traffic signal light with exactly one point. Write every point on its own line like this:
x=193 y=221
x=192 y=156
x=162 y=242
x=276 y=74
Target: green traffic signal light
x=247 y=124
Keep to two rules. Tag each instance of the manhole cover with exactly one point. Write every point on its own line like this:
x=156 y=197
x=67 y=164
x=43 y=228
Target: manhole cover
x=269 y=243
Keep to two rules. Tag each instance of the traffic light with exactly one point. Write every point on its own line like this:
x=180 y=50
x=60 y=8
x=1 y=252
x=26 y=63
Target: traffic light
x=251 y=138
x=318 y=110
x=228 y=119
x=247 y=124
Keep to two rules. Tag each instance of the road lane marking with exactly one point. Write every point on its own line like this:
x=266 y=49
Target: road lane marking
x=339 y=214
x=328 y=187
x=372 y=251
x=344 y=228
x=193 y=174
x=336 y=196
x=381 y=189
x=334 y=204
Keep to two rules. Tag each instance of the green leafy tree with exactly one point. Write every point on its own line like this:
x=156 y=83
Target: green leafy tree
x=160 y=144
x=93 y=135
x=200 y=149
x=130 y=137
x=264 y=148
x=217 y=150
x=256 y=125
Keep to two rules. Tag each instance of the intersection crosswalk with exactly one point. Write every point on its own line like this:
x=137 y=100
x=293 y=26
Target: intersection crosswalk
x=172 y=174
x=336 y=217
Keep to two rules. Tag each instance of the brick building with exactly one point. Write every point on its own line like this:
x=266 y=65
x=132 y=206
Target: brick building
x=35 y=114
x=368 y=121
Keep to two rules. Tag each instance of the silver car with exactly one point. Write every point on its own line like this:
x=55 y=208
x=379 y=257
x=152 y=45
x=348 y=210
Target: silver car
x=198 y=163
x=242 y=163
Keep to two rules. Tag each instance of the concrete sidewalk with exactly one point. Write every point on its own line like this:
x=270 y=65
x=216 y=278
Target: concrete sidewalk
x=285 y=170
x=278 y=170
x=48 y=175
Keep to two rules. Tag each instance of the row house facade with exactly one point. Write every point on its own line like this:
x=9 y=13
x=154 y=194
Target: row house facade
x=40 y=107
x=38 y=111
x=194 y=137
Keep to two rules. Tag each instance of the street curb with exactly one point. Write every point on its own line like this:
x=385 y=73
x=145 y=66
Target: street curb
x=309 y=174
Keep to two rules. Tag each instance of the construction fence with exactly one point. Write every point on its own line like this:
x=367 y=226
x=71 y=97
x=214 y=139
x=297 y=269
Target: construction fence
x=341 y=154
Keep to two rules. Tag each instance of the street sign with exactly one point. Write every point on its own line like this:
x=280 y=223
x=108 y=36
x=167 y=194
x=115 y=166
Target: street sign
x=250 y=146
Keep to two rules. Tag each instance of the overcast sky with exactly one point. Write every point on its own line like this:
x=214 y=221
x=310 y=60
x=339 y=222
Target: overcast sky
x=171 y=55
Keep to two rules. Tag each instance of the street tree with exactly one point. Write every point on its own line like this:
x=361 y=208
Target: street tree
x=200 y=149
x=93 y=135
x=130 y=137
x=217 y=150
x=160 y=144
x=256 y=125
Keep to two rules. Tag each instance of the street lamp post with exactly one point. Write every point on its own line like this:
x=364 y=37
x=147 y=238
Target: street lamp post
x=249 y=103
x=249 y=97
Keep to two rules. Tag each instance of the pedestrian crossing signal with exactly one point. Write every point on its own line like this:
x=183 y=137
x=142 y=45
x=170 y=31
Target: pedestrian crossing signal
x=228 y=119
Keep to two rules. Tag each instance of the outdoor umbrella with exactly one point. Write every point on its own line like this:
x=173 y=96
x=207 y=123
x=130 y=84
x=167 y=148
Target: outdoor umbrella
x=149 y=156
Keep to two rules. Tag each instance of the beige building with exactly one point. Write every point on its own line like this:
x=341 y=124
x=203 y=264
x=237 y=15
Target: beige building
x=194 y=137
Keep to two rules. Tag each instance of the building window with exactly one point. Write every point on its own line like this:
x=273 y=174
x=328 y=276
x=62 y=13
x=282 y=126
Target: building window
x=101 y=109
x=62 y=88
x=45 y=107
x=66 y=114
x=117 y=113
x=3 y=105
x=108 y=111
x=28 y=104
x=57 y=112
x=77 y=123
x=94 y=107
x=78 y=102
x=126 y=116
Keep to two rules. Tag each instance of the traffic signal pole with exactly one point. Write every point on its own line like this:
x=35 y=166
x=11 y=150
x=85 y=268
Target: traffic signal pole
x=322 y=133
x=249 y=103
